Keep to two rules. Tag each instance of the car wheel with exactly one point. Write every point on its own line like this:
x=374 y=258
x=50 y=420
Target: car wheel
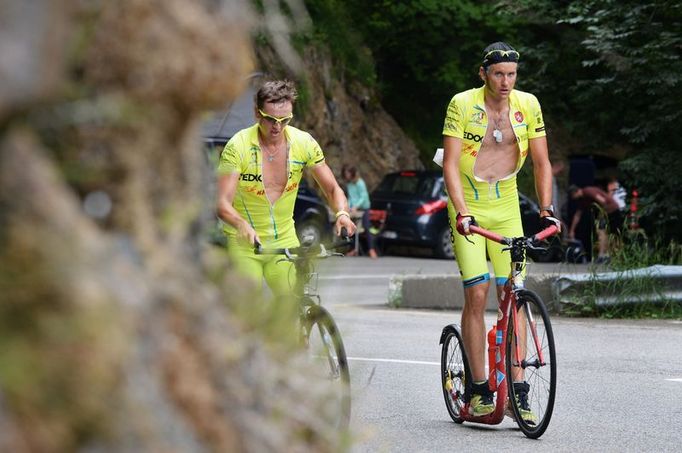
x=444 y=247
x=310 y=230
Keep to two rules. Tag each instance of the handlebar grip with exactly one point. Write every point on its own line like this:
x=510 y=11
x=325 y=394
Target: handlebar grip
x=344 y=233
x=487 y=234
x=547 y=232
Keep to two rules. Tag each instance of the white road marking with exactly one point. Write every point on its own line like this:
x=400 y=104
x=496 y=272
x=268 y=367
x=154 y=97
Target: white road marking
x=410 y=362
x=355 y=276
x=675 y=380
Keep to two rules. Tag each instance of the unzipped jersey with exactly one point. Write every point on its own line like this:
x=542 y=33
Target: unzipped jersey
x=273 y=222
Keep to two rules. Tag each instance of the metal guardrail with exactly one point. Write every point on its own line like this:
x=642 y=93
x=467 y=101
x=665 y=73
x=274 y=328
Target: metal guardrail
x=657 y=284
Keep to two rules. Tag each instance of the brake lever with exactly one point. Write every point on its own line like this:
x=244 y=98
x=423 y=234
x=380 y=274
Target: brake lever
x=531 y=245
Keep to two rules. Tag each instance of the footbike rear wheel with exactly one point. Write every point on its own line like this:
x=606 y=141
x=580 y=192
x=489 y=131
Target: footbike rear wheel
x=535 y=372
x=454 y=371
x=328 y=356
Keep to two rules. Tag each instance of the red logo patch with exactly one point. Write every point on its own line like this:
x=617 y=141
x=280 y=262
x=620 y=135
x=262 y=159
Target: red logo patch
x=518 y=116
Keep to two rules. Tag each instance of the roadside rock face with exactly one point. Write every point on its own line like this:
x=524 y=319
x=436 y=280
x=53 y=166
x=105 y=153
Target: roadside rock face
x=344 y=117
x=351 y=128
x=119 y=325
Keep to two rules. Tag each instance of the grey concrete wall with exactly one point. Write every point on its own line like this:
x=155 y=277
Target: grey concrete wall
x=553 y=285
x=446 y=292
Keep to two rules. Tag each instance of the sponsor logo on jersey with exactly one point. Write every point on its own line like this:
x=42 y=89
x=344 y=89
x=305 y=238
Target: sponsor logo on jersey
x=477 y=117
x=518 y=116
x=470 y=149
x=473 y=137
x=250 y=177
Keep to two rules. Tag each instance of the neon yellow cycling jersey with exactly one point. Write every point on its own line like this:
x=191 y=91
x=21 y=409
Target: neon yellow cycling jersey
x=495 y=206
x=273 y=222
x=467 y=120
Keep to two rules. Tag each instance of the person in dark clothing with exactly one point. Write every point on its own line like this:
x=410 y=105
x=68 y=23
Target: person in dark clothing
x=606 y=210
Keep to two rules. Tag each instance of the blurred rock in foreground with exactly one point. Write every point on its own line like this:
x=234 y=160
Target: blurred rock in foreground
x=117 y=325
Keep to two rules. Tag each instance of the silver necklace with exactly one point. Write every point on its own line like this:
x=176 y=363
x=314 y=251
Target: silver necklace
x=271 y=156
x=497 y=133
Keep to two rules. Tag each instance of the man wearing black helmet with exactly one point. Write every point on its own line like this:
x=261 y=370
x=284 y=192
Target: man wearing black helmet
x=487 y=135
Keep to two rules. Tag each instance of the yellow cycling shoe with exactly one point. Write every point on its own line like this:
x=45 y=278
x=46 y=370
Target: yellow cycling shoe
x=481 y=405
x=521 y=390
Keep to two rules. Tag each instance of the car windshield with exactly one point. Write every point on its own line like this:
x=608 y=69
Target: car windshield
x=410 y=183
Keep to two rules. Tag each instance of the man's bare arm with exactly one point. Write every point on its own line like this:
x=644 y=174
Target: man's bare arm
x=335 y=197
x=452 y=149
x=542 y=170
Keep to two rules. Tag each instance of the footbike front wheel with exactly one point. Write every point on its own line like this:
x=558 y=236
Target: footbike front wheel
x=328 y=356
x=454 y=371
x=531 y=364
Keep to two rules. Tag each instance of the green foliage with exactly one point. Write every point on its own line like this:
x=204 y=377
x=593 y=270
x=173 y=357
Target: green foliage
x=425 y=52
x=643 y=310
x=637 y=251
x=334 y=27
x=655 y=172
x=636 y=48
x=631 y=297
x=634 y=51
x=607 y=72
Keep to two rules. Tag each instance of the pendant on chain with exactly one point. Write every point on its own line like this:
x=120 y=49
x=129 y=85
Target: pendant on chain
x=497 y=134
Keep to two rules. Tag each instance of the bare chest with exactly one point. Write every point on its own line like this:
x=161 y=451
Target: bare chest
x=499 y=153
x=275 y=175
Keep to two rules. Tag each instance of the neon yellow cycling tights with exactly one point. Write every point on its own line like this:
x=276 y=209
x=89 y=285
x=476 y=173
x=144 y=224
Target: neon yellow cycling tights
x=502 y=216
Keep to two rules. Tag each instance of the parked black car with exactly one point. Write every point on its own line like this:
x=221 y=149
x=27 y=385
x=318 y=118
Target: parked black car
x=417 y=215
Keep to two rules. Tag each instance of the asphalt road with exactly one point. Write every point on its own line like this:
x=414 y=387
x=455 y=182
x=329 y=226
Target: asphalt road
x=619 y=381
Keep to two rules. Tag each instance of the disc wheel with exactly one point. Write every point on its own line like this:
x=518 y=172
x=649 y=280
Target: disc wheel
x=531 y=371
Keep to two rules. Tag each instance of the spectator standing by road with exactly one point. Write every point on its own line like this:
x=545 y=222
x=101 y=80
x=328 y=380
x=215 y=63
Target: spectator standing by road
x=358 y=200
x=488 y=133
x=606 y=211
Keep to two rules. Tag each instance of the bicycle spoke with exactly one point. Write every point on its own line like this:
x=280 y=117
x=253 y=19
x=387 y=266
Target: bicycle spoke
x=533 y=394
x=328 y=361
x=453 y=374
